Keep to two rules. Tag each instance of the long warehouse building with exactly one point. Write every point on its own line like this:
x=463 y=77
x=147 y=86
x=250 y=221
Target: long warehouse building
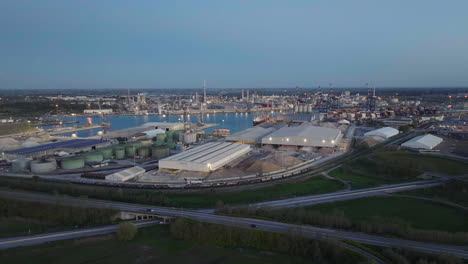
x=70 y=146
x=310 y=136
x=205 y=158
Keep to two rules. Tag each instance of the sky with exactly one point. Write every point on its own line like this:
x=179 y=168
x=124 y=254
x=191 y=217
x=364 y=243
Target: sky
x=69 y=44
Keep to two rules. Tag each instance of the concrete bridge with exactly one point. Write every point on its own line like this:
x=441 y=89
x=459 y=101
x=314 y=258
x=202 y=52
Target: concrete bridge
x=132 y=215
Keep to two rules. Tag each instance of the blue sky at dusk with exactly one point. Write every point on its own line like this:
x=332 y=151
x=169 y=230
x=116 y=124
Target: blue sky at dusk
x=171 y=44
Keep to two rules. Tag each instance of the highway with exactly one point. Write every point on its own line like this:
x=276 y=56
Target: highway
x=342 y=195
x=12 y=242
x=348 y=195
x=307 y=231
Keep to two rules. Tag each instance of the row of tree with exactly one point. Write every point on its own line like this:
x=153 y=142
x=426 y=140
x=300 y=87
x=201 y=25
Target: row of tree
x=337 y=219
x=318 y=250
x=57 y=213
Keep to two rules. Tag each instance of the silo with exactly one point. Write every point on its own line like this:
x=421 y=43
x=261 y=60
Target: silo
x=43 y=165
x=136 y=144
x=72 y=163
x=169 y=136
x=190 y=138
x=177 y=135
x=130 y=151
x=146 y=142
x=161 y=137
x=171 y=145
x=120 y=153
x=92 y=157
x=144 y=152
x=160 y=152
x=106 y=153
x=22 y=164
x=158 y=143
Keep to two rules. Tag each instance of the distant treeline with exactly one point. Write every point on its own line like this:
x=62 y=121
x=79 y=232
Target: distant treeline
x=318 y=250
x=77 y=215
x=107 y=193
x=338 y=220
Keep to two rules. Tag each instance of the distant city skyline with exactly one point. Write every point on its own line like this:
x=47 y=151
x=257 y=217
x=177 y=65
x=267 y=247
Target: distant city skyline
x=232 y=44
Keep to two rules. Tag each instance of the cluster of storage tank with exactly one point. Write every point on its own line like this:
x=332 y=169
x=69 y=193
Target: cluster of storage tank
x=38 y=166
x=143 y=148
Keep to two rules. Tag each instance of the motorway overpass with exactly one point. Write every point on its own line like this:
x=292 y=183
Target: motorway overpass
x=306 y=231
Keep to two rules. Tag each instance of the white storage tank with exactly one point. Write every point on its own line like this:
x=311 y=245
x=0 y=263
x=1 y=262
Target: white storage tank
x=43 y=165
x=21 y=165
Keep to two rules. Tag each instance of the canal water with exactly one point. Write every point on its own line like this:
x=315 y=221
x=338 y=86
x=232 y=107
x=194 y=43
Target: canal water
x=232 y=121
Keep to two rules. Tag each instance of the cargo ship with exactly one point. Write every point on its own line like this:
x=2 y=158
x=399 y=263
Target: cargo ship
x=260 y=120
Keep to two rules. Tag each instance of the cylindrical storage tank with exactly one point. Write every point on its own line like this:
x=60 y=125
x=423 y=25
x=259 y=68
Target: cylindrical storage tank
x=161 y=137
x=130 y=151
x=106 y=153
x=146 y=142
x=136 y=144
x=144 y=152
x=160 y=152
x=176 y=135
x=309 y=108
x=158 y=143
x=120 y=153
x=43 y=165
x=72 y=163
x=22 y=164
x=92 y=157
x=169 y=136
x=190 y=138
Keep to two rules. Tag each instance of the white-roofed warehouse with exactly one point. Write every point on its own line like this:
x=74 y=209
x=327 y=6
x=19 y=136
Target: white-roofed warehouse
x=311 y=136
x=205 y=158
x=125 y=175
x=423 y=142
x=384 y=132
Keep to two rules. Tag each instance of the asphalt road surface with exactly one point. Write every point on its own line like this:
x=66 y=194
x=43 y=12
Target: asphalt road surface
x=77 y=233
x=306 y=231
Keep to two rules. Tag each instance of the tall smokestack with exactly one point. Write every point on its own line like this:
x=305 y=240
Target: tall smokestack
x=204 y=91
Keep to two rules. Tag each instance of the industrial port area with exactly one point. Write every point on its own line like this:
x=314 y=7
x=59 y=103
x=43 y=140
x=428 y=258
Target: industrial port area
x=225 y=132
x=218 y=152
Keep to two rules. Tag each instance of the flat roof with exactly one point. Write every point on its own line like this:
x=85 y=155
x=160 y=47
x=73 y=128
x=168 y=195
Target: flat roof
x=307 y=132
x=207 y=157
x=207 y=153
x=70 y=144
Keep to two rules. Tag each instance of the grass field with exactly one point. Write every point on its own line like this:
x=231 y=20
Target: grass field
x=152 y=245
x=455 y=191
x=422 y=162
x=205 y=199
x=416 y=213
x=314 y=185
x=10 y=227
x=358 y=180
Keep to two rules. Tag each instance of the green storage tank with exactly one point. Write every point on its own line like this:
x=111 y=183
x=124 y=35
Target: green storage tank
x=171 y=145
x=130 y=151
x=177 y=135
x=92 y=157
x=146 y=142
x=106 y=153
x=158 y=143
x=144 y=152
x=160 y=152
x=72 y=163
x=120 y=153
x=169 y=136
x=161 y=137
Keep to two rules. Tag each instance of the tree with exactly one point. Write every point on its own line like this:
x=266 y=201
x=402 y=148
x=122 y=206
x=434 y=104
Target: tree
x=126 y=231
